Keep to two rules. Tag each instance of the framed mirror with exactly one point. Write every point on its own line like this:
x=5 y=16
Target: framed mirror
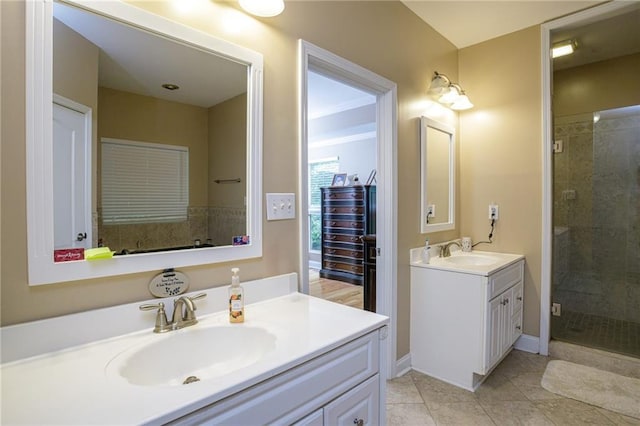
x=437 y=176
x=143 y=136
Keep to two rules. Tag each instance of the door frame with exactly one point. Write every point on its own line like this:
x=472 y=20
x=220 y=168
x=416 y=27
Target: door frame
x=87 y=113
x=593 y=14
x=312 y=57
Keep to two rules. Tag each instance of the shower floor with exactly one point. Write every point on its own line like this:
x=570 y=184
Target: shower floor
x=597 y=332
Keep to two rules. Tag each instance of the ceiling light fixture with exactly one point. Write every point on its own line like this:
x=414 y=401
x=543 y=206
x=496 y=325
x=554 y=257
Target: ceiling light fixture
x=563 y=48
x=170 y=86
x=448 y=93
x=263 y=8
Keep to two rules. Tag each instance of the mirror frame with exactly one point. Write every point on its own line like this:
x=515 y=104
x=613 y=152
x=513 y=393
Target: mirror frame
x=426 y=123
x=39 y=168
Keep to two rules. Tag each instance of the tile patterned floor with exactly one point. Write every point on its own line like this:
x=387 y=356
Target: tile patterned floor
x=597 y=332
x=512 y=395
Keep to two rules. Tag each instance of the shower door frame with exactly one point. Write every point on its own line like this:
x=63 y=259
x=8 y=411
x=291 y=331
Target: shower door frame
x=590 y=15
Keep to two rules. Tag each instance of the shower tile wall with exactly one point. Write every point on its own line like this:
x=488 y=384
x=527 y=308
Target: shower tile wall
x=596 y=208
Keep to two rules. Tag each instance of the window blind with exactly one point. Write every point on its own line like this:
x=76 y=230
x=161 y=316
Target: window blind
x=144 y=182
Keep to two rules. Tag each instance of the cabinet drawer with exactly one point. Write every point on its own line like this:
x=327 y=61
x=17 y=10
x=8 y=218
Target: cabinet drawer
x=516 y=324
x=343 y=238
x=354 y=254
x=358 y=210
x=343 y=266
x=349 y=224
x=505 y=278
x=516 y=297
x=346 y=195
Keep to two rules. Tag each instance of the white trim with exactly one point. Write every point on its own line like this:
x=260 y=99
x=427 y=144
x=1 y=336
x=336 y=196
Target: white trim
x=528 y=343
x=39 y=53
x=586 y=16
x=403 y=365
x=451 y=212
x=318 y=59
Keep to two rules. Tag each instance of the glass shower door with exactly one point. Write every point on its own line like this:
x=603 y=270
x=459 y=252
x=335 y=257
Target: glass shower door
x=596 y=263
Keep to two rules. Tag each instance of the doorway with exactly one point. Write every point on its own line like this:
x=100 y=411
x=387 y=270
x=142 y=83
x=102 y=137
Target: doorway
x=322 y=62
x=73 y=226
x=587 y=281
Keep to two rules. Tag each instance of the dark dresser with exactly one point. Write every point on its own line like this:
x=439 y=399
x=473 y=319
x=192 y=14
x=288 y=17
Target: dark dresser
x=348 y=212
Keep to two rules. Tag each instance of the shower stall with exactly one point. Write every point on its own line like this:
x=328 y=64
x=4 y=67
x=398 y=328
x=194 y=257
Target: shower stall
x=596 y=218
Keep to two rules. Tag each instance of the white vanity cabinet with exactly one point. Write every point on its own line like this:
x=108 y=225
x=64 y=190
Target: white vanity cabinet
x=341 y=387
x=464 y=323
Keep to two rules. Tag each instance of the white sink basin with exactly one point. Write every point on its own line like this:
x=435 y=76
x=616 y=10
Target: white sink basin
x=471 y=259
x=191 y=355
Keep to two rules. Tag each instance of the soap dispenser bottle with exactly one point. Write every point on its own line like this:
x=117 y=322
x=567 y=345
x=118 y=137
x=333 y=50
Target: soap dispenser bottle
x=426 y=255
x=236 y=298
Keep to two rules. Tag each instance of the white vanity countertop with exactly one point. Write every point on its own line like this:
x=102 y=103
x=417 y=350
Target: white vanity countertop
x=71 y=386
x=502 y=260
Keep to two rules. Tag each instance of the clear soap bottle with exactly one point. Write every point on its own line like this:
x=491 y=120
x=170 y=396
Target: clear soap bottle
x=426 y=254
x=236 y=298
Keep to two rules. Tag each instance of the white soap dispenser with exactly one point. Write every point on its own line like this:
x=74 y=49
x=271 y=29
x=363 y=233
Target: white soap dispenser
x=236 y=298
x=426 y=254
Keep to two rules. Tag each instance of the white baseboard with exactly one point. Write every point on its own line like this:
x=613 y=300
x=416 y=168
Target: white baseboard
x=528 y=343
x=403 y=365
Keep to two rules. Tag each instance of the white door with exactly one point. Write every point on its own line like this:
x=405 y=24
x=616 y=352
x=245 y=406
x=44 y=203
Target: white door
x=71 y=178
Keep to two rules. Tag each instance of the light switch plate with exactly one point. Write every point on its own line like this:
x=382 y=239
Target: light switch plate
x=281 y=206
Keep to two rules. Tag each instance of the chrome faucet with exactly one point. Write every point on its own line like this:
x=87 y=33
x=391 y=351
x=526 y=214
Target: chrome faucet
x=445 y=249
x=183 y=313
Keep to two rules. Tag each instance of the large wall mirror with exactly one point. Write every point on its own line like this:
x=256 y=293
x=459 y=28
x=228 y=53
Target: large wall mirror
x=437 y=173
x=143 y=136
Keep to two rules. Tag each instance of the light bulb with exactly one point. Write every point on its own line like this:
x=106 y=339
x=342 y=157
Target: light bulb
x=461 y=103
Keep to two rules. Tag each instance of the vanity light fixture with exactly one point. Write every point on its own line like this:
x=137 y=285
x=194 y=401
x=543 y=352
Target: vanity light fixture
x=263 y=8
x=563 y=48
x=448 y=93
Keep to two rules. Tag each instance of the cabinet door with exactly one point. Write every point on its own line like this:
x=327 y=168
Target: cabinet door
x=495 y=330
x=314 y=419
x=357 y=407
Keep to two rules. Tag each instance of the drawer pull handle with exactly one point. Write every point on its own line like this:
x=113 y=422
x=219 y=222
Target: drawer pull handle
x=354 y=209
x=331 y=251
x=353 y=224
x=518 y=327
x=332 y=265
x=333 y=210
x=332 y=195
x=358 y=422
x=333 y=224
x=331 y=237
x=519 y=298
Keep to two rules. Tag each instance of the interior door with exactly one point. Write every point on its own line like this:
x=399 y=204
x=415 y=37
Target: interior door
x=72 y=159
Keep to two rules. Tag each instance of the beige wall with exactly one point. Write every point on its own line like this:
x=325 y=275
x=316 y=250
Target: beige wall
x=124 y=115
x=501 y=152
x=228 y=151
x=595 y=87
x=384 y=37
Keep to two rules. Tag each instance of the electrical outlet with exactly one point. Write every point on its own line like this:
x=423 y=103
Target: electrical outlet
x=494 y=212
x=281 y=206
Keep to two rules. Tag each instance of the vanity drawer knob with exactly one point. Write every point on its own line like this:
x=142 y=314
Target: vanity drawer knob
x=519 y=298
x=518 y=327
x=358 y=422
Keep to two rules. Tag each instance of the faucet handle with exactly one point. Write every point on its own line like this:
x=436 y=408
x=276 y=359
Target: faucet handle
x=198 y=296
x=162 y=324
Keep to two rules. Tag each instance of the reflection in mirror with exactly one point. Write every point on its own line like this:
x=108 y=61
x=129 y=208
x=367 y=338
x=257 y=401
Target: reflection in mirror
x=158 y=97
x=437 y=207
x=149 y=134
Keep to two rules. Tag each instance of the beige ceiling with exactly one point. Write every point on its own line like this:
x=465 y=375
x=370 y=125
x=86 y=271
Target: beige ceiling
x=465 y=23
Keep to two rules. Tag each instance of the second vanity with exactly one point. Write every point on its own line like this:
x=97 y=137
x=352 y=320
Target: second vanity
x=466 y=314
x=295 y=360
